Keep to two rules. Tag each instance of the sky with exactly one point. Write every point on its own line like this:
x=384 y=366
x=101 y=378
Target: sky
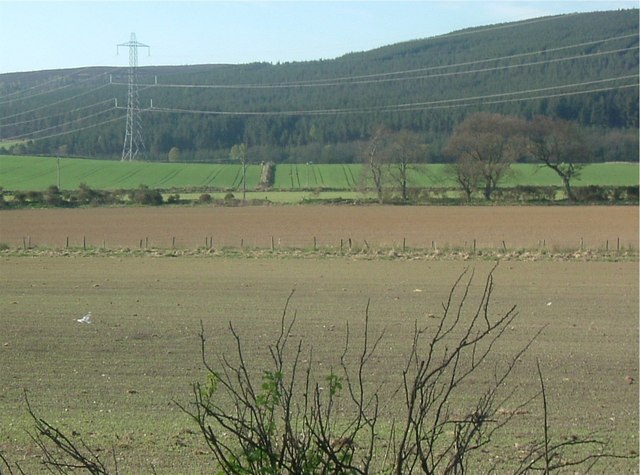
x=56 y=35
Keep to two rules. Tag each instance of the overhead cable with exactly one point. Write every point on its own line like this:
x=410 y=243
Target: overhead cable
x=77 y=130
x=78 y=109
x=58 y=88
x=56 y=102
x=57 y=126
x=400 y=107
x=384 y=77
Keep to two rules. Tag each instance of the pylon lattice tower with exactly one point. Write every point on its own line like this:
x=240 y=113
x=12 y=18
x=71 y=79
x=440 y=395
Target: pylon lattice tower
x=133 y=141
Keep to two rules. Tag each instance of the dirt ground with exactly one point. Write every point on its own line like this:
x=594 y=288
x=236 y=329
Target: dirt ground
x=114 y=382
x=514 y=227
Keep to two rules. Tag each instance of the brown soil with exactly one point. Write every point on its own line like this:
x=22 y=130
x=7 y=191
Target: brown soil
x=121 y=374
x=593 y=227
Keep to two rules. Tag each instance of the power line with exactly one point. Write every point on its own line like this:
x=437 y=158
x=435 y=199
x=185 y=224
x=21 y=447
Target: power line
x=49 y=91
x=90 y=91
x=67 y=132
x=384 y=77
x=78 y=109
x=133 y=141
x=408 y=106
x=80 y=119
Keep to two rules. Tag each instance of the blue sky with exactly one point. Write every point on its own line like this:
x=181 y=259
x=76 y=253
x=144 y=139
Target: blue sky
x=52 y=34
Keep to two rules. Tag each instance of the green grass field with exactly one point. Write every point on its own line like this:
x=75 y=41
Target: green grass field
x=38 y=173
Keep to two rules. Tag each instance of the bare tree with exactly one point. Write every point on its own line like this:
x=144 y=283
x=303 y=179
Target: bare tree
x=465 y=173
x=375 y=157
x=486 y=145
x=406 y=150
x=239 y=153
x=558 y=145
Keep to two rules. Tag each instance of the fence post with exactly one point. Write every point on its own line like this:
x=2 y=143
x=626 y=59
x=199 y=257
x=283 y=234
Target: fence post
x=618 y=245
x=67 y=245
x=315 y=243
x=84 y=243
x=581 y=244
x=173 y=242
x=273 y=246
x=404 y=244
x=474 y=245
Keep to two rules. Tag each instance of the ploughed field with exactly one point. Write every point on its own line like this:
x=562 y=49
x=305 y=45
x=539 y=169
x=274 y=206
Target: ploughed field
x=424 y=227
x=114 y=383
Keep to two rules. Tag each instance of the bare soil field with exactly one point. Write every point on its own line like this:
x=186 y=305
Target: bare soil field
x=513 y=227
x=114 y=382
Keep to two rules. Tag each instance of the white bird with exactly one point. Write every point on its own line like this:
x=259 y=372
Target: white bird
x=85 y=319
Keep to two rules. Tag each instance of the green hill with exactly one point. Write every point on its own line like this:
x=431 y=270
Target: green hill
x=581 y=67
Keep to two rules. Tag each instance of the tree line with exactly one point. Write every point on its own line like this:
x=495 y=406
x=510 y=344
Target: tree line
x=482 y=149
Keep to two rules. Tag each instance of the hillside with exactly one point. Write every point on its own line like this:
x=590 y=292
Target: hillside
x=581 y=67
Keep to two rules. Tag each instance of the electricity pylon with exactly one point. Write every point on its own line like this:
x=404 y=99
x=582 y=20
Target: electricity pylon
x=133 y=142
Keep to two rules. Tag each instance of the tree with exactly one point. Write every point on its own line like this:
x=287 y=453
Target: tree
x=174 y=154
x=406 y=149
x=375 y=157
x=558 y=144
x=486 y=145
x=466 y=174
x=239 y=153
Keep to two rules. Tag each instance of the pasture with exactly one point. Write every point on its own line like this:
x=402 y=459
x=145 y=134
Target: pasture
x=38 y=173
x=115 y=382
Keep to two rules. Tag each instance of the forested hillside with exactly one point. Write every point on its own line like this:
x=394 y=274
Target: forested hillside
x=581 y=67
